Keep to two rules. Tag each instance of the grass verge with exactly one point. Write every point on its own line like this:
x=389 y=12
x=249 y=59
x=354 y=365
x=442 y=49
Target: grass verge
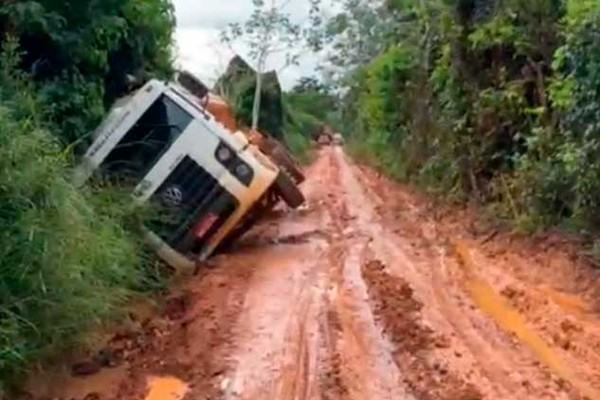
x=67 y=262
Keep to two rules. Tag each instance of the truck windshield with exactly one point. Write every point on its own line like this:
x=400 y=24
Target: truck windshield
x=144 y=144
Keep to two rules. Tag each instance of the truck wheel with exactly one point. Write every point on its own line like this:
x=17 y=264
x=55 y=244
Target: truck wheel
x=289 y=192
x=286 y=161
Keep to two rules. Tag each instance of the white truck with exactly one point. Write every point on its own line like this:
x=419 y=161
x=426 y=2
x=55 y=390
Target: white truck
x=208 y=184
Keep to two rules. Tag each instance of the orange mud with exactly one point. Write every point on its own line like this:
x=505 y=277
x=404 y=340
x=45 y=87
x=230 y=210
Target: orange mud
x=166 y=389
x=369 y=292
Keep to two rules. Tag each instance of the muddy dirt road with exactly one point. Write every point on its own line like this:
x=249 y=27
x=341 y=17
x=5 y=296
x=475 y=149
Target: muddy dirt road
x=369 y=292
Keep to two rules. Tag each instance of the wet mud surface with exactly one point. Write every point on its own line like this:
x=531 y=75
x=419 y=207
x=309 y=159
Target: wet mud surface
x=368 y=292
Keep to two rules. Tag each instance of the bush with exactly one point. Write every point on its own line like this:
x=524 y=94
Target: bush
x=496 y=102
x=308 y=107
x=65 y=266
x=80 y=53
x=68 y=260
x=298 y=144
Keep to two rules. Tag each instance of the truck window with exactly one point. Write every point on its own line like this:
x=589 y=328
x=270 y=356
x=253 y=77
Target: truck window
x=144 y=144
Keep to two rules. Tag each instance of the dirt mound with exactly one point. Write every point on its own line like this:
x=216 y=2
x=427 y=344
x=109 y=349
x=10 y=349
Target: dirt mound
x=398 y=313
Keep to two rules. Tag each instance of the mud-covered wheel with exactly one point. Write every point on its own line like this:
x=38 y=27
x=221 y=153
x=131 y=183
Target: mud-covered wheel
x=281 y=156
x=289 y=192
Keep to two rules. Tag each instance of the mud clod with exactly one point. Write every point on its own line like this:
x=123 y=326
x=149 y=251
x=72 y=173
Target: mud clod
x=176 y=306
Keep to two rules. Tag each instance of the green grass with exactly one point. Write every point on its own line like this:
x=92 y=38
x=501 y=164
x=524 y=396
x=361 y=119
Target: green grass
x=67 y=261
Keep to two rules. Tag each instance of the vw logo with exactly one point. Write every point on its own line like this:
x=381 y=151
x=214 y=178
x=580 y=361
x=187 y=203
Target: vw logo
x=172 y=196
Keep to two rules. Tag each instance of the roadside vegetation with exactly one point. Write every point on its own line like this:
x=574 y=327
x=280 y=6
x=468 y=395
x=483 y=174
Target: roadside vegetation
x=67 y=261
x=491 y=101
x=309 y=106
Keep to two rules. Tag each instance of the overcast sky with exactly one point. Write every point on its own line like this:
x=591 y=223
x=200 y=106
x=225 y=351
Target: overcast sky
x=197 y=37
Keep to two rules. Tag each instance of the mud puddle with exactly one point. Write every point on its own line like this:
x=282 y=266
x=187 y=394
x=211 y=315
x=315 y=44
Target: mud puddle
x=166 y=388
x=511 y=320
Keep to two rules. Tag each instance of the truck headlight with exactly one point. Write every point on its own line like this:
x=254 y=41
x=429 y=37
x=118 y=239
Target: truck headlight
x=224 y=154
x=243 y=171
x=236 y=166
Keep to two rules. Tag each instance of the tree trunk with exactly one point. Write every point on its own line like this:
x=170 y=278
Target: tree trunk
x=257 y=97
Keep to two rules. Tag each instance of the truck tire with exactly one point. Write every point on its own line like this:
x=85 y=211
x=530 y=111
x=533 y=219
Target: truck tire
x=288 y=164
x=289 y=192
x=280 y=155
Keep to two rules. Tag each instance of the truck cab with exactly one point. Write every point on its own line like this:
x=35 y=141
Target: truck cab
x=200 y=180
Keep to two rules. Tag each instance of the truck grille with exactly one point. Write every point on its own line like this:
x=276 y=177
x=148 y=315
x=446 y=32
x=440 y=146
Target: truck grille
x=185 y=197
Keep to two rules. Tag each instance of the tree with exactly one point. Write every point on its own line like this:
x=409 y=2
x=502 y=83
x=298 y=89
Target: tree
x=66 y=249
x=271 y=31
x=312 y=97
x=361 y=31
x=492 y=101
x=310 y=84
x=80 y=53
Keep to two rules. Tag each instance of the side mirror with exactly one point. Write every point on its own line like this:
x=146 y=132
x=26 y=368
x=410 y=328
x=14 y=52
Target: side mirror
x=192 y=84
x=131 y=79
x=134 y=82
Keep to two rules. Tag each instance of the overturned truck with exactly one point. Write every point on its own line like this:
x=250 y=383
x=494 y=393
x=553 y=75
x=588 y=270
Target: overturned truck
x=205 y=183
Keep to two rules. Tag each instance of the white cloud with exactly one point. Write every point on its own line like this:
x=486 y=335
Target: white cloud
x=215 y=14
x=200 y=51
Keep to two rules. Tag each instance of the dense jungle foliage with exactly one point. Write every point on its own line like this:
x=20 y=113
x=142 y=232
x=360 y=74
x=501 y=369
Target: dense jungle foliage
x=496 y=101
x=67 y=261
